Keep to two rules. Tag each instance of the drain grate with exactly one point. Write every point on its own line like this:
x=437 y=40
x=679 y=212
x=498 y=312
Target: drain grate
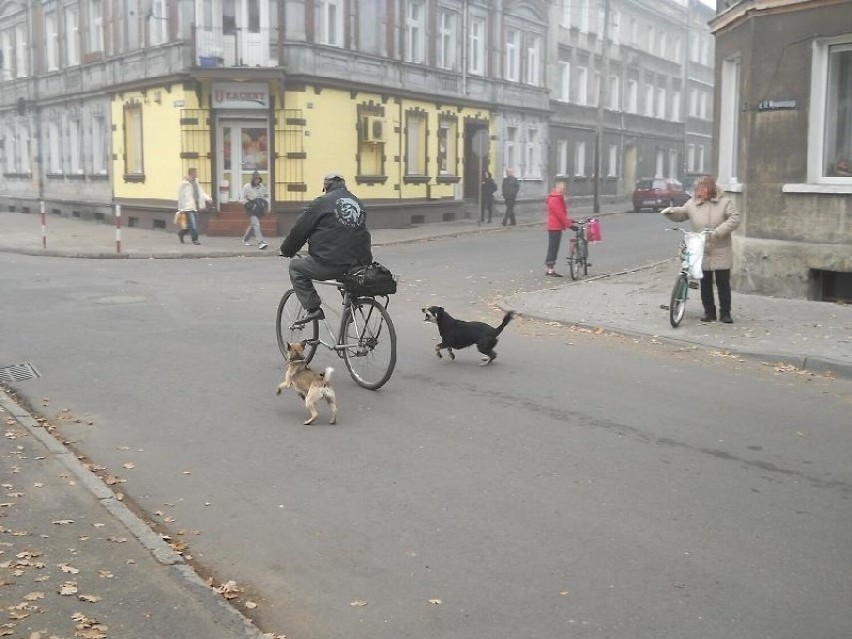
x=18 y=373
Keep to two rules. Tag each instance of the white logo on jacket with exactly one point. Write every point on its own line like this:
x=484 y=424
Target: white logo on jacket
x=349 y=213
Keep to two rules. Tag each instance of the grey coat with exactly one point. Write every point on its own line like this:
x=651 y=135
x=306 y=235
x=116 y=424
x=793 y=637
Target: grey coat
x=717 y=214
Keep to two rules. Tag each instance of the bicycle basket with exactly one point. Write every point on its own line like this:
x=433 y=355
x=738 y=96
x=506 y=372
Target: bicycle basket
x=369 y=280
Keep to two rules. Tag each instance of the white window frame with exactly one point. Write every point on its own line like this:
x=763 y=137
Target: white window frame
x=729 y=120
x=660 y=164
x=511 y=146
x=582 y=85
x=96 y=26
x=476 y=46
x=532 y=159
x=821 y=95
x=75 y=146
x=664 y=44
x=23 y=148
x=701 y=165
x=54 y=148
x=614 y=93
x=22 y=56
x=649 y=100
x=71 y=28
x=634 y=31
x=513 y=55
x=693 y=103
x=532 y=72
x=584 y=15
x=447 y=39
x=9 y=149
x=596 y=89
x=674 y=161
x=562 y=157
x=100 y=144
x=661 y=103
x=564 y=94
x=565 y=15
x=632 y=95
x=675 y=112
x=158 y=23
x=415 y=157
x=612 y=160
x=690 y=158
x=580 y=158
x=7 y=45
x=415 y=32
x=615 y=27
x=51 y=40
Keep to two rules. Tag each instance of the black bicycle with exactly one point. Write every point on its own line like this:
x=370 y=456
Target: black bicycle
x=365 y=339
x=578 y=250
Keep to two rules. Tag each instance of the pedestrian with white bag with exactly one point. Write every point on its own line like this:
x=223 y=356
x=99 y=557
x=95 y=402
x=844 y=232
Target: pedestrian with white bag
x=708 y=210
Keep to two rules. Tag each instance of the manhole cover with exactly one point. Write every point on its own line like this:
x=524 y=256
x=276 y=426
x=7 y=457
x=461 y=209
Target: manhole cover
x=18 y=372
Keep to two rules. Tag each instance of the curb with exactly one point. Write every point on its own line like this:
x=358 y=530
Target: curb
x=221 y=611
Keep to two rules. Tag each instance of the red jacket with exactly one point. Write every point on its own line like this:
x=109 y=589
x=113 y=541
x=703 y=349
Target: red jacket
x=557 y=212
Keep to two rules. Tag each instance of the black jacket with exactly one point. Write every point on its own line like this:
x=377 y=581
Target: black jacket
x=489 y=187
x=511 y=186
x=335 y=227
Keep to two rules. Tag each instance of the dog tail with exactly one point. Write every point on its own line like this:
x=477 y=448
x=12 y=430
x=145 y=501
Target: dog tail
x=326 y=375
x=506 y=319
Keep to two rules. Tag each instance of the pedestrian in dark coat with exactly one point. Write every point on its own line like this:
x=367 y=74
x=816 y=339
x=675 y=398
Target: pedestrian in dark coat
x=489 y=188
x=509 y=189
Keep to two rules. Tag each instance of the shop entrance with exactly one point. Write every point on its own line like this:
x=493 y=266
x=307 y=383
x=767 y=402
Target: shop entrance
x=242 y=148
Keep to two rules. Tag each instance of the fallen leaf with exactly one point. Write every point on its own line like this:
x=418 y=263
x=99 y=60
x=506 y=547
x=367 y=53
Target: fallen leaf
x=68 y=588
x=89 y=598
x=63 y=522
x=34 y=596
x=437 y=602
x=358 y=603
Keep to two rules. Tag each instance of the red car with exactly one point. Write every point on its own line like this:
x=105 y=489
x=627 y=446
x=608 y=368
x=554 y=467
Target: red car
x=658 y=193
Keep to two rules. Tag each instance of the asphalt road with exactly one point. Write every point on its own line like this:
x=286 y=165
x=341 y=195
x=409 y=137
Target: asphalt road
x=583 y=485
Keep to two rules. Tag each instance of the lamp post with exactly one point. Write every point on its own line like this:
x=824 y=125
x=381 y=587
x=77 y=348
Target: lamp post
x=602 y=95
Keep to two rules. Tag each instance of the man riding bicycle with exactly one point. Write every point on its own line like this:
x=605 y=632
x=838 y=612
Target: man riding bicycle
x=334 y=226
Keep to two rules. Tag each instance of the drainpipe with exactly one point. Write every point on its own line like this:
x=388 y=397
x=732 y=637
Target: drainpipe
x=602 y=94
x=465 y=45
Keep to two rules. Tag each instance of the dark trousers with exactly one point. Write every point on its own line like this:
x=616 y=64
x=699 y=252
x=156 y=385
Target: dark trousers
x=723 y=284
x=192 y=220
x=509 y=216
x=554 y=239
x=303 y=272
x=487 y=205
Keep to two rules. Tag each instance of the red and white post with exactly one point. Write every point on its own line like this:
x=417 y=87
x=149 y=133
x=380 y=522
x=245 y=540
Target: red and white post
x=118 y=228
x=43 y=225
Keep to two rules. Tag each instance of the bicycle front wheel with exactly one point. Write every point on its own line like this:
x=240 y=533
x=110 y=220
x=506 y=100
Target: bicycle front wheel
x=677 y=305
x=289 y=311
x=573 y=263
x=369 y=343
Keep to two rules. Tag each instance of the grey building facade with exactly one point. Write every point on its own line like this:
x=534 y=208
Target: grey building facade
x=784 y=137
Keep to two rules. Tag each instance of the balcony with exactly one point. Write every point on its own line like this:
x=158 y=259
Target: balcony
x=216 y=47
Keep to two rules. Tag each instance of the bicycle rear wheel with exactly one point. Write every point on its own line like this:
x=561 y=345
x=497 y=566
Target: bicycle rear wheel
x=573 y=263
x=585 y=257
x=289 y=310
x=677 y=304
x=369 y=341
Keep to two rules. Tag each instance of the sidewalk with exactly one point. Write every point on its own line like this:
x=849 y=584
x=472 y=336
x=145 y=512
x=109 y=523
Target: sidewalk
x=63 y=530
x=816 y=336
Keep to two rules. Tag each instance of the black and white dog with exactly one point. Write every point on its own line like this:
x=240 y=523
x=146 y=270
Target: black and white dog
x=461 y=334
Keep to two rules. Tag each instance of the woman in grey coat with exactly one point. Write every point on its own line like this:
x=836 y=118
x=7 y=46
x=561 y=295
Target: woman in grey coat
x=709 y=210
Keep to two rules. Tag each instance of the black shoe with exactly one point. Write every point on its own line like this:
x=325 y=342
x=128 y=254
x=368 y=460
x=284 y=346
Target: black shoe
x=708 y=318
x=180 y=237
x=196 y=242
x=553 y=274
x=315 y=314
x=726 y=318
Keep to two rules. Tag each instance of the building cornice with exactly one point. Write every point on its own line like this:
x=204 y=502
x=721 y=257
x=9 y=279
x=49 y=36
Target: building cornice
x=753 y=8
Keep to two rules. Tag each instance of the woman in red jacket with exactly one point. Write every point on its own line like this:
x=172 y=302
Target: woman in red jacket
x=557 y=221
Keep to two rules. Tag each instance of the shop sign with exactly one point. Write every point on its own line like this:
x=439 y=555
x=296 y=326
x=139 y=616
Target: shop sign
x=240 y=95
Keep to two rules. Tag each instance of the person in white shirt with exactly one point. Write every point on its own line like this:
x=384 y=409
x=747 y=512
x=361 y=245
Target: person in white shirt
x=191 y=198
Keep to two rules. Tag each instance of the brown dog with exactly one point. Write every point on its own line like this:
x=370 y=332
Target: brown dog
x=310 y=385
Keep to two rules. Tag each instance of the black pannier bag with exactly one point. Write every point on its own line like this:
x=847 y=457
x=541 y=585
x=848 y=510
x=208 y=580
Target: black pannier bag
x=369 y=279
